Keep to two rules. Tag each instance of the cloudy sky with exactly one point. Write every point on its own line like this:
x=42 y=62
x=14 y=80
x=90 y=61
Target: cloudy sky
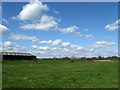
x=59 y=29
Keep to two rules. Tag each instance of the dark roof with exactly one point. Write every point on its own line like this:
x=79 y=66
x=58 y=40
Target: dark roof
x=16 y=54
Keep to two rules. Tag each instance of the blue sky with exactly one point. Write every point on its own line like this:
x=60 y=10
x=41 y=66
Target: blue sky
x=77 y=29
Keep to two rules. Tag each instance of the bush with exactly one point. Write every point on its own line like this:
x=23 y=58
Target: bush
x=94 y=58
x=83 y=58
x=71 y=60
x=35 y=60
x=100 y=58
x=114 y=57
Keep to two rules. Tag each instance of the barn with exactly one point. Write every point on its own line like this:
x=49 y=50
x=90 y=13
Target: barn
x=16 y=56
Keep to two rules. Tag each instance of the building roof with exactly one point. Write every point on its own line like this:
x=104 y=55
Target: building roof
x=16 y=54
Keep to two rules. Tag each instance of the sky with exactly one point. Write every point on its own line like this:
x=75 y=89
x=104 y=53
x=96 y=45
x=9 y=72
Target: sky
x=60 y=29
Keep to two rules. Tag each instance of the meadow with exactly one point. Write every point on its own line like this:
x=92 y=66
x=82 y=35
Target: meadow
x=59 y=74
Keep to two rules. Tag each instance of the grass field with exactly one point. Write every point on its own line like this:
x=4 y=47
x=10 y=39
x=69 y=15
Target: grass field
x=60 y=74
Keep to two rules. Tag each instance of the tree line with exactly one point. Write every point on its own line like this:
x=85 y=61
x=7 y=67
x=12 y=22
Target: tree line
x=81 y=58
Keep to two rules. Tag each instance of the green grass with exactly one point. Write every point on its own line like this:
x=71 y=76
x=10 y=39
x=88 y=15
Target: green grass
x=60 y=74
x=113 y=59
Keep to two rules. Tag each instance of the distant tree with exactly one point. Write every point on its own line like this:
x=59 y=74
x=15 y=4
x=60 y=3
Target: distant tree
x=72 y=59
x=66 y=58
x=35 y=60
x=114 y=57
x=108 y=57
x=94 y=58
x=100 y=58
x=83 y=58
x=54 y=58
x=88 y=58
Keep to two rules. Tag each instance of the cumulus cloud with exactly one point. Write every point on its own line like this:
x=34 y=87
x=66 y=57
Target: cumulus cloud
x=104 y=43
x=23 y=37
x=113 y=26
x=3 y=29
x=78 y=34
x=56 y=12
x=58 y=48
x=5 y=21
x=86 y=29
x=56 y=43
x=32 y=11
x=13 y=18
x=8 y=44
x=110 y=37
x=70 y=29
x=89 y=37
x=46 y=42
x=101 y=48
x=40 y=48
x=12 y=47
x=45 y=23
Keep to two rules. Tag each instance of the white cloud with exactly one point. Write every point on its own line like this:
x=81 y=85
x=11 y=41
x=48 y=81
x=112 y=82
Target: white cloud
x=113 y=26
x=23 y=37
x=12 y=47
x=101 y=48
x=89 y=37
x=56 y=12
x=70 y=29
x=63 y=49
x=78 y=34
x=4 y=20
x=46 y=42
x=86 y=29
x=105 y=43
x=110 y=37
x=59 y=20
x=34 y=46
x=40 y=48
x=56 y=43
x=8 y=44
x=45 y=23
x=58 y=48
x=13 y=18
x=32 y=11
x=3 y=29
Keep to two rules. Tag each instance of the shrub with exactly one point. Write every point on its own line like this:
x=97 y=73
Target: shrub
x=35 y=60
x=100 y=58
x=71 y=60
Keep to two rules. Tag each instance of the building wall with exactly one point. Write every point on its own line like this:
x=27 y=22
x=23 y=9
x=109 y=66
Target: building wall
x=1 y=58
x=12 y=57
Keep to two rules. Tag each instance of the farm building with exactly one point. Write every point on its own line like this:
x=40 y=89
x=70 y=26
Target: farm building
x=16 y=56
